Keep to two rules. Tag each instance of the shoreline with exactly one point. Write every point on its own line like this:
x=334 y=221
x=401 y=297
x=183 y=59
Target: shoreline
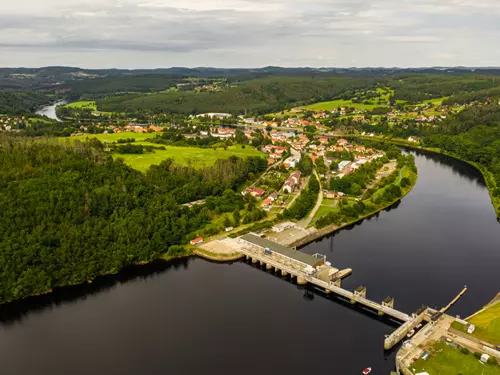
x=320 y=233
x=163 y=258
x=484 y=172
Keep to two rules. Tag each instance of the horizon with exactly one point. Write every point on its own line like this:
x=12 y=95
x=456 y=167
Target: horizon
x=260 y=67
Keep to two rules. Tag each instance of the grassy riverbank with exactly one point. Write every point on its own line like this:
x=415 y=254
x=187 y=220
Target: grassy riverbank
x=447 y=360
x=487 y=322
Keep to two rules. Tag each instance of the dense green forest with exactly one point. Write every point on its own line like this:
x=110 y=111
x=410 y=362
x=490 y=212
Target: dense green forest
x=101 y=87
x=70 y=212
x=417 y=88
x=258 y=96
x=17 y=103
x=473 y=135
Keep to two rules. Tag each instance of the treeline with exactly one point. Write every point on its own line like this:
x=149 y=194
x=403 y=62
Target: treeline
x=258 y=96
x=70 y=212
x=305 y=202
x=136 y=149
x=18 y=103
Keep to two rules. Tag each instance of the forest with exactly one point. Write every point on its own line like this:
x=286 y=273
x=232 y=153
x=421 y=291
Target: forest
x=71 y=213
x=257 y=96
x=19 y=103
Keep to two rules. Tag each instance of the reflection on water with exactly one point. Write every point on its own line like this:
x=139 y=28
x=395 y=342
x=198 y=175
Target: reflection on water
x=15 y=311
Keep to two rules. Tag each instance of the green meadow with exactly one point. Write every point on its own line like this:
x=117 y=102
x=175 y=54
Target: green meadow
x=193 y=156
x=446 y=360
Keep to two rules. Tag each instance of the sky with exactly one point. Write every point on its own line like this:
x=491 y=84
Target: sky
x=249 y=33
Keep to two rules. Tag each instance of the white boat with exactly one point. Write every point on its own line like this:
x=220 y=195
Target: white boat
x=411 y=333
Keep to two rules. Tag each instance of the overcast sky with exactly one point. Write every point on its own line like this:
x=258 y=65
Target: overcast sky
x=249 y=33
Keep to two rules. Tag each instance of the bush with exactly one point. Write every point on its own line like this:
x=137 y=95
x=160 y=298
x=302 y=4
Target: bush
x=464 y=350
x=492 y=361
x=477 y=355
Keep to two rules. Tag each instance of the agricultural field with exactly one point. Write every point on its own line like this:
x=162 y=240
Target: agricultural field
x=447 y=360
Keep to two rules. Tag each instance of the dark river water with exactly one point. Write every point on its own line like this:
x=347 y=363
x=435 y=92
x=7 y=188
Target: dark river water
x=193 y=316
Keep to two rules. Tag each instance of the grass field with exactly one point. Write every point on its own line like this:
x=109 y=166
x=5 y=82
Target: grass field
x=86 y=104
x=488 y=324
x=196 y=157
x=82 y=104
x=328 y=106
x=451 y=361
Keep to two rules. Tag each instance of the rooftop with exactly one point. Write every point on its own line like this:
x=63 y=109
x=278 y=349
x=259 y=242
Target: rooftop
x=280 y=249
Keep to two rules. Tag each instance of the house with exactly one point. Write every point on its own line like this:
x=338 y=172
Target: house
x=342 y=142
x=360 y=149
x=471 y=328
x=273 y=197
x=257 y=192
x=292 y=182
x=229 y=229
x=267 y=202
x=196 y=241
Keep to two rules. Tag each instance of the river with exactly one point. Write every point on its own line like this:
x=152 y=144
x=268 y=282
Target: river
x=50 y=110
x=192 y=316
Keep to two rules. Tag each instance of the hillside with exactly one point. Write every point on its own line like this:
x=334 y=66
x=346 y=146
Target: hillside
x=258 y=96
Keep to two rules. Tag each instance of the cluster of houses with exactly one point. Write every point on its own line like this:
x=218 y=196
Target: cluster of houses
x=139 y=128
x=8 y=123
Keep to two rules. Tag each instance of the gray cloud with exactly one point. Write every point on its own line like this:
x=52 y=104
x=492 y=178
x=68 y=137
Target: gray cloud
x=245 y=33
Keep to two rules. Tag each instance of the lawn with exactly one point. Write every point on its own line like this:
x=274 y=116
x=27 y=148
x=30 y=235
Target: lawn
x=196 y=157
x=86 y=104
x=487 y=324
x=83 y=104
x=450 y=361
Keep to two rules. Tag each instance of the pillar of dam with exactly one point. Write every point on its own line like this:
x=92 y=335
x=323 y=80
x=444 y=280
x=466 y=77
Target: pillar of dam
x=269 y=267
x=276 y=269
x=284 y=273
x=254 y=260
x=301 y=281
x=247 y=257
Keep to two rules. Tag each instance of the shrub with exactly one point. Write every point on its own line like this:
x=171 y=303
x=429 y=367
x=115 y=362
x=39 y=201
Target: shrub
x=465 y=350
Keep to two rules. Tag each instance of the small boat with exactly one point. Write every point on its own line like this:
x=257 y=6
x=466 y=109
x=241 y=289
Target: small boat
x=411 y=333
x=367 y=370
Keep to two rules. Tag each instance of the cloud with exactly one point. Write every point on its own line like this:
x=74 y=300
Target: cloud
x=246 y=33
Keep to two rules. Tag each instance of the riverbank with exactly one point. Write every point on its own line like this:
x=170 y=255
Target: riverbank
x=218 y=257
x=330 y=229
x=487 y=175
